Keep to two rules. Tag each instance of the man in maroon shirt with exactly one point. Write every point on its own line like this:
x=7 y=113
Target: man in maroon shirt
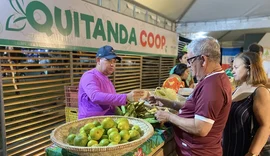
x=198 y=126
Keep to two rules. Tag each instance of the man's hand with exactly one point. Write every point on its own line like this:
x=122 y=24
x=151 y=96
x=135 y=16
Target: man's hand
x=130 y=96
x=136 y=95
x=163 y=116
x=155 y=100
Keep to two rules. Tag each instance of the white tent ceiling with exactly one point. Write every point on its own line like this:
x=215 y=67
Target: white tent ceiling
x=227 y=20
x=171 y=9
x=212 y=10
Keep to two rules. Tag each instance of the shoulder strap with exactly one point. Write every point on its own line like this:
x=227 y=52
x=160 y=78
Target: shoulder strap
x=254 y=93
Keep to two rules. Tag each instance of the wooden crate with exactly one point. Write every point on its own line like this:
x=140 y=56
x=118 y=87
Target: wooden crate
x=159 y=152
x=71 y=96
x=71 y=114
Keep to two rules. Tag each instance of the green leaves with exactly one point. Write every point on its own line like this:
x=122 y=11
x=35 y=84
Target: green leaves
x=20 y=6
x=19 y=19
x=11 y=21
x=8 y=27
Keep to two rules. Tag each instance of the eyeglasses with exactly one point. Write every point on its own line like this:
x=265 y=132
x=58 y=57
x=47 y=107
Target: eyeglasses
x=111 y=61
x=192 y=59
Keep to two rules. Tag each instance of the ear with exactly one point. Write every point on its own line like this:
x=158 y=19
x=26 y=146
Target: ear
x=203 y=63
x=98 y=60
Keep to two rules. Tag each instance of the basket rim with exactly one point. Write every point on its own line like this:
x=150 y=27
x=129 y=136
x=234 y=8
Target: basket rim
x=104 y=148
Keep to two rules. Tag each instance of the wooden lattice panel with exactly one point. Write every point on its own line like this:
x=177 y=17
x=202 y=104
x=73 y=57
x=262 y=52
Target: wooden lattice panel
x=127 y=75
x=150 y=72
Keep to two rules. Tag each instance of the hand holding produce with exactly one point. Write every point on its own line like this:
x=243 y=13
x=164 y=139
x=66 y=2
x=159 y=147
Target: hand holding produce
x=138 y=94
x=163 y=116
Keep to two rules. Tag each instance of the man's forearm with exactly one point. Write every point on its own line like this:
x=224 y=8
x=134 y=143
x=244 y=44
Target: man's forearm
x=187 y=125
x=166 y=102
x=176 y=105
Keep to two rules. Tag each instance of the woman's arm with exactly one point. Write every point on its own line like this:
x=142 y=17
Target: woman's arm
x=261 y=109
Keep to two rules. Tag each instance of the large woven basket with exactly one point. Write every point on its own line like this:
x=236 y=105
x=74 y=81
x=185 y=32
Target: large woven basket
x=59 y=135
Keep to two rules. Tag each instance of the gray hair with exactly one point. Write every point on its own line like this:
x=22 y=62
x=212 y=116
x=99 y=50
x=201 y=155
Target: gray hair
x=205 y=46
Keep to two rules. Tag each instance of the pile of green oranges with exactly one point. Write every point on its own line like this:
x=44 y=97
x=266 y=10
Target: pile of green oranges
x=106 y=133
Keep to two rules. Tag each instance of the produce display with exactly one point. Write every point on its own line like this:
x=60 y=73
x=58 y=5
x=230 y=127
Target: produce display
x=166 y=93
x=146 y=111
x=105 y=133
x=141 y=110
x=138 y=110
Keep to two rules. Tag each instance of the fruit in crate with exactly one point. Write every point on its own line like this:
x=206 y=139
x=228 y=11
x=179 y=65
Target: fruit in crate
x=122 y=120
x=125 y=135
x=80 y=140
x=113 y=143
x=96 y=133
x=108 y=133
x=134 y=135
x=114 y=129
x=88 y=127
x=115 y=137
x=91 y=143
x=137 y=128
x=123 y=126
x=104 y=142
x=70 y=139
x=107 y=123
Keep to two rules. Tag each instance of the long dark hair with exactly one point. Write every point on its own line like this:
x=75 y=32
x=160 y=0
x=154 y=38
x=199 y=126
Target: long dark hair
x=180 y=69
x=181 y=54
x=255 y=47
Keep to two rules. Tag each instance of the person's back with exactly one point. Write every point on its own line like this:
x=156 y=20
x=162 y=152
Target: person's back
x=174 y=82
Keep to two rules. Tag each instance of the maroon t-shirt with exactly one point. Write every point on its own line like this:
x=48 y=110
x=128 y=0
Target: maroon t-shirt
x=210 y=102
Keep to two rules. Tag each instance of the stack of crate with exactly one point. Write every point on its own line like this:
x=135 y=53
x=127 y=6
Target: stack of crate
x=71 y=100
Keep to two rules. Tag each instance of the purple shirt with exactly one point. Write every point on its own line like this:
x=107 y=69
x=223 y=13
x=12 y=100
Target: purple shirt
x=97 y=95
x=210 y=102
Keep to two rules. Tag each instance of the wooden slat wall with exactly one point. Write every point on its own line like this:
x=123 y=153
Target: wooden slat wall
x=33 y=97
x=127 y=75
x=82 y=61
x=166 y=64
x=34 y=92
x=150 y=72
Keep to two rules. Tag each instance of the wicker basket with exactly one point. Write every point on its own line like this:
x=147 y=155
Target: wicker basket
x=71 y=114
x=59 y=135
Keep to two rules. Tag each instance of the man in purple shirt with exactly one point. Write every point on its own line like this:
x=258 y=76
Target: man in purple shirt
x=198 y=126
x=97 y=95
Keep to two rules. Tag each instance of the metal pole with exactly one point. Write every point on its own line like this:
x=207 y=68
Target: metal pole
x=134 y=11
x=141 y=64
x=160 y=61
x=3 y=151
x=99 y=2
x=119 y=6
x=71 y=68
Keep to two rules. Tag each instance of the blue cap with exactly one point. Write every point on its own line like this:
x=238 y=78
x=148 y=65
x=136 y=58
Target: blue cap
x=107 y=52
